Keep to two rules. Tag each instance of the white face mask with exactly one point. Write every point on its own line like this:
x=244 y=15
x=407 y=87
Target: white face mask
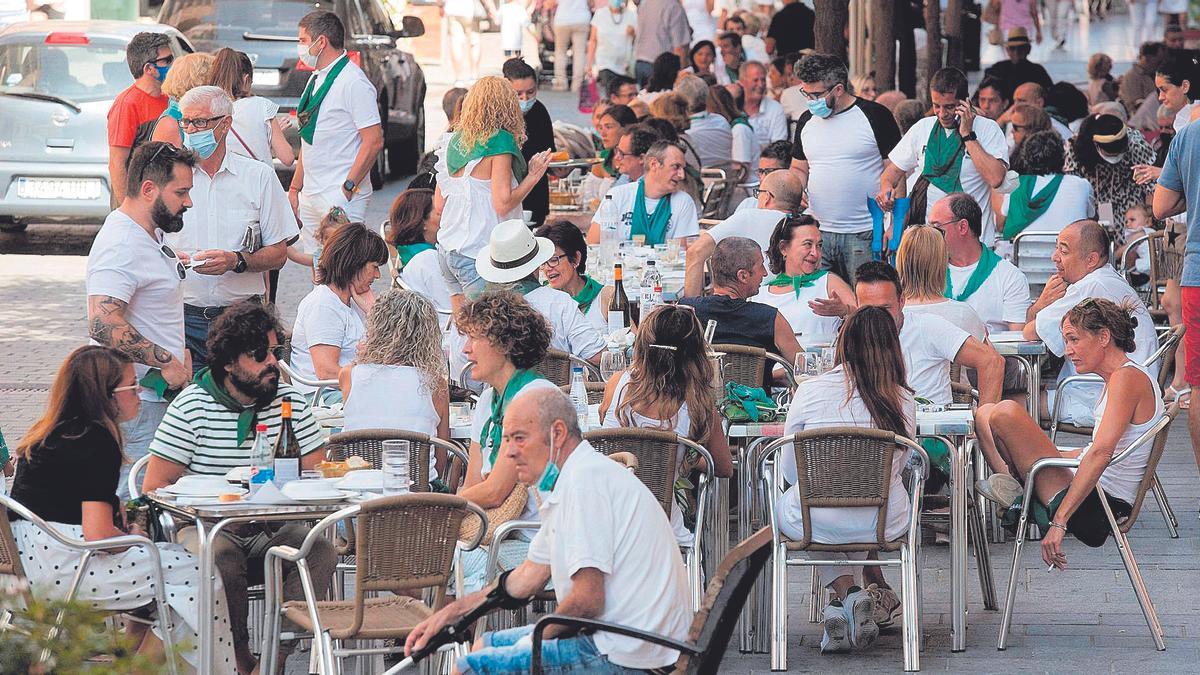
x=309 y=60
x=1111 y=159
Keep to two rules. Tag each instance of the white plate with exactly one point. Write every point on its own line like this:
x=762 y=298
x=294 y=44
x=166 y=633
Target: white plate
x=311 y=490
x=363 y=479
x=201 y=491
x=341 y=496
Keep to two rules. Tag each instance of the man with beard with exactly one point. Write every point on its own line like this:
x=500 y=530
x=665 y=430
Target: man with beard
x=210 y=428
x=239 y=226
x=134 y=292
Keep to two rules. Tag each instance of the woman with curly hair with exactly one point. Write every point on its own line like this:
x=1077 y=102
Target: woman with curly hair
x=401 y=352
x=187 y=72
x=669 y=387
x=483 y=179
x=412 y=228
x=505 y=338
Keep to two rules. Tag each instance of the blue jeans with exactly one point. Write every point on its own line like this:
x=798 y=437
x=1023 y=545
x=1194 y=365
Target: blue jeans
x=195 y=336
x=459 y=272
x=501 y=654
x=843 y=252
x=137 y=433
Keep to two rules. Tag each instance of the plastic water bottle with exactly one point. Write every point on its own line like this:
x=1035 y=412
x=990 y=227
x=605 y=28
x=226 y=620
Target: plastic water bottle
x=651 y=278
x=262 y=471
x=579 y=397
x=609 y=236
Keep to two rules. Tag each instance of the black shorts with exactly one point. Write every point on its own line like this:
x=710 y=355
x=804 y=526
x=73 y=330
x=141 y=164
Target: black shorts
x=1089 y=524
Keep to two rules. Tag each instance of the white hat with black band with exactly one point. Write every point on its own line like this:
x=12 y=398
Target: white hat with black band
x=513 y=253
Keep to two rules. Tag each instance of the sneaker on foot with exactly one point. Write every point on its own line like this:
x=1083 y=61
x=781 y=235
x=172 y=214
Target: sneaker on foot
x=1000 y=488
x=887 y=605
x=859 y=608
x=837 y=636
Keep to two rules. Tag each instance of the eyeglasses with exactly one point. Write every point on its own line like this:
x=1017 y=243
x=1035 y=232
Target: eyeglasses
x=260 y=354
x=553 y=261
x=201 y=123
x=941 y=226
x=766 y=172
x=759 y=191
x=169 y=58
x=814 y=95
x=131 y=387
x=179 y=268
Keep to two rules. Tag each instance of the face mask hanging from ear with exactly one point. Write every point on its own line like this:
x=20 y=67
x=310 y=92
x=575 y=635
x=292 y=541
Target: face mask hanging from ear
x=550 y=474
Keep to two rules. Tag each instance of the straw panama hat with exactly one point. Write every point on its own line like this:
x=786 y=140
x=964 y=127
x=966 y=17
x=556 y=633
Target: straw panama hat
x=513 y=253
x=1017 y=37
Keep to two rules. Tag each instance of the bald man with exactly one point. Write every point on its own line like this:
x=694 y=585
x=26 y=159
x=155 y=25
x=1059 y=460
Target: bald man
x=1081 y=259
x=1032 y=93
x=778 y=195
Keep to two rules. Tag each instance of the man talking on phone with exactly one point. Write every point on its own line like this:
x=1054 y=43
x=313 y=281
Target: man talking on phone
x=957 y=150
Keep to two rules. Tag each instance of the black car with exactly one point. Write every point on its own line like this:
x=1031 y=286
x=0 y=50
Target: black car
x=266 y=30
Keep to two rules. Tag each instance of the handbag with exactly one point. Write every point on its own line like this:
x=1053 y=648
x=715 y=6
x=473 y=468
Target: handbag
x=510 y=509
x=747 y=404
x=588 y=95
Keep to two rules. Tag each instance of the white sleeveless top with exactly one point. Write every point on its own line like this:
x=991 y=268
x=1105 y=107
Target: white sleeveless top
x=1121 y=480
x=374 y=402
x=682 y=425
x=468 y=216
x=796 y=310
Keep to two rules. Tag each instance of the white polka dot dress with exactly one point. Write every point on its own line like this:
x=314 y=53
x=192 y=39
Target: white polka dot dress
x=125 y=581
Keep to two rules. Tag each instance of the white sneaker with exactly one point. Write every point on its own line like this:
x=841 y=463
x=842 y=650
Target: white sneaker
x=887 y=605
x=1000 y=488
x=836 y=638
x=859 y=608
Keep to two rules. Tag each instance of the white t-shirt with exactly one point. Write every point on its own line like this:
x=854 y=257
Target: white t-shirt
x=711 y=137
x=600 y=515
x=350 y=106
x=573 y=13
x=372 y=402
x=461 y=8
x=770 y=124
x=930 y=344
x=570 y=330
x=909 y=156
x=127 y=263
x=323 y=319
x=819 y=403
x=423 y=274
x=958 y=313
x=614 y=45
x=751 y=223
x=1073 y=201
x=240 y=208
x=684 y=220
x=794 y=102
x=252 y=120
x=704 y=25
x=1003 y=297
x=745 y=148
x=513 y=19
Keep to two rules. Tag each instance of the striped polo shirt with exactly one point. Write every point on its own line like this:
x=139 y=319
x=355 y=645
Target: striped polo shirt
x=201 y=434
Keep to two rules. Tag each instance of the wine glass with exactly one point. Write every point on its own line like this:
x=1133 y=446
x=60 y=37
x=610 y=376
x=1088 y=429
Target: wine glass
x=612 y=362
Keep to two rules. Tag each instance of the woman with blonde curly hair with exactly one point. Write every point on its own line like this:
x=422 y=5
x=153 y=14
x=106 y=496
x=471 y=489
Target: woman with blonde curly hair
x=482 y=180
x=186 y=73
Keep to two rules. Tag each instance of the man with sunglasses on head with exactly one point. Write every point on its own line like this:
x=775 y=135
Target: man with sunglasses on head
x=210 y=429
x=238 y=227
x=134 y=285
x=149 y=58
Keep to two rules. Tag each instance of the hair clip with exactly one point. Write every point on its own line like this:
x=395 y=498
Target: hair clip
x=672 y=348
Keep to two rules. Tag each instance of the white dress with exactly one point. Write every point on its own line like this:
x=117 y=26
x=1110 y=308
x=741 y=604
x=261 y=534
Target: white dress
x=795 y=309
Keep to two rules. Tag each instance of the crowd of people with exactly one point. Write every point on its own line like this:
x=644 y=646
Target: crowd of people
x=885 y=225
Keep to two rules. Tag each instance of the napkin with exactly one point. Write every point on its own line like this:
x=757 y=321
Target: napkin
x=268 y=493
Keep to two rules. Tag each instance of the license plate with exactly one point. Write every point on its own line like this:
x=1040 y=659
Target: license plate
x=267 y=77
x=59 y=188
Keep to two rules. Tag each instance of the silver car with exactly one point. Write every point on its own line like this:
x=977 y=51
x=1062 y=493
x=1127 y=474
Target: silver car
x=58 y=80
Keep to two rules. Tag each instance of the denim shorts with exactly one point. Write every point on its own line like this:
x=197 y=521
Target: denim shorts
x=460 y=275
x=501 y=654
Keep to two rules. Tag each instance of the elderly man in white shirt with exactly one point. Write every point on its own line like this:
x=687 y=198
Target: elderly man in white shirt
x=605 y=543
x=778 y=195
x=709 y=134
x=1081 y=257
x=656 y=205
x=766 y=114
x=238 y=227
x=340 y=131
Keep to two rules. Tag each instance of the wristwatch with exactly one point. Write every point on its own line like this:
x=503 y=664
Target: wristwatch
x=970 y=137
x=241 y=263
x=350 y=187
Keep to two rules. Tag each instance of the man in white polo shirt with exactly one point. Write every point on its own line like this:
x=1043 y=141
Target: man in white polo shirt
x=134 y=298
x=639 y=206
x=239 y=223
x=605 y=543
x=766 y=115
x=340 y=133
x=778 y=195
x=709 y=133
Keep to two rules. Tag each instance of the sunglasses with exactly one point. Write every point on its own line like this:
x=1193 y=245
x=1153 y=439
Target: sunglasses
x=172 y=154
x=260 y=354
x=179 y=268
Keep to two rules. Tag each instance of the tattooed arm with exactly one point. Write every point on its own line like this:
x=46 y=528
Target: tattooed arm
x=107 y=325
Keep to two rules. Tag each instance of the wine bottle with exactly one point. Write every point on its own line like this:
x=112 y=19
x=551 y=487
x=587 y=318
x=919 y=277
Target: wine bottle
x=287 y=448
x=618 y=308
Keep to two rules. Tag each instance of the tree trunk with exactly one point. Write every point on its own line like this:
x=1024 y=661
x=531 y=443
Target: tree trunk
x=883 y=44
x=833 y=20
x=954 y=45
x=933 y=44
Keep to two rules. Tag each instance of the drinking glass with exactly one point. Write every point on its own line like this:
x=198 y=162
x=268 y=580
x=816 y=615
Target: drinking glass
x=808 y=364
x=828 y=359
x=611 y=363
x=395 y=467
x=671 y=256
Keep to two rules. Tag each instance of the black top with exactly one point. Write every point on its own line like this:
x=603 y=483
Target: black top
x=1013 y=75
x=73 y=466
x=540 y=136
x=792 y=29
x=739 y=322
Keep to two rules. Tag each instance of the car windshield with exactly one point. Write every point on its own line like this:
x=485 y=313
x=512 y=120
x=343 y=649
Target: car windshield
x=78 y=72
x=226 y=22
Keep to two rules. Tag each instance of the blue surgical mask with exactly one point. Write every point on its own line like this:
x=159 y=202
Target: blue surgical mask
x=616 y=4
x=173 y=109
x=820 y=108
x=162 y=72
x=549 y=475
x=203 y=143
x=526 y=105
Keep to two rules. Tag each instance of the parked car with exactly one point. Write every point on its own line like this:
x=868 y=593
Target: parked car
x=266 y=30
x=58 y=80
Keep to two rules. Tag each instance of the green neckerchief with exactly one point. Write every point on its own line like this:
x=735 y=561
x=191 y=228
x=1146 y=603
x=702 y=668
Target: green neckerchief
x=310 y=103
x=591 y=291
x=741 y=119
x=799 y=281
x=493 y=427
x=520 y=286
x=246 y=415
x=1024 y=207
x=1053 y=113
x=943 y=159
x=173 y=111
x=501 y=143
x=609 y=167
x=409 y=251
x=732 y=73
x=654 y=227
x=983 y=269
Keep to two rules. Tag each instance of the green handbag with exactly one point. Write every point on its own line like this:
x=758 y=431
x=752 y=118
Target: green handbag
x=747 y=404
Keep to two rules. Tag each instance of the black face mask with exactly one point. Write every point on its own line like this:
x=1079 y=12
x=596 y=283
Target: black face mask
x=164 y=219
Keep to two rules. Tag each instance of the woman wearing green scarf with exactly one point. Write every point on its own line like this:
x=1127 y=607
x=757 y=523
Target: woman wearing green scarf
x=814 y=301
x=484 y=180
x=567 y=272
x=505 y=339
x=412 y=229
x=1045 y=200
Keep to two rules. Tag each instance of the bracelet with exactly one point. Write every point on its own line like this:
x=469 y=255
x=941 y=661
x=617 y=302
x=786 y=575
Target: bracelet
x=293 y=188
x=1058 y=525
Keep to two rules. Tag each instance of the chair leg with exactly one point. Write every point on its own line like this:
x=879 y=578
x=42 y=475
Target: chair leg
x=910 y=603
x=983 y=556
x=1160 y=495
x=779 y=618
x=815 y=604
x=1011 y=595
x=328 y=662
x=1139 y=584
x=695 y=583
